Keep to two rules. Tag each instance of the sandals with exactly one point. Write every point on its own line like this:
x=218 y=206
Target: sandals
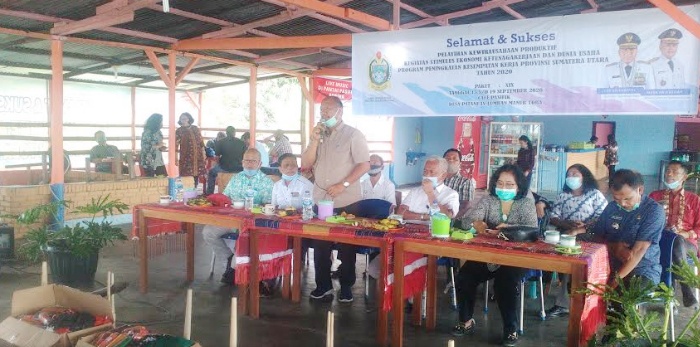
x=460 y=329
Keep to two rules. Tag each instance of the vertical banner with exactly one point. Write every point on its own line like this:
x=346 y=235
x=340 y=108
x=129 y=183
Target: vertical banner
x=638 y=62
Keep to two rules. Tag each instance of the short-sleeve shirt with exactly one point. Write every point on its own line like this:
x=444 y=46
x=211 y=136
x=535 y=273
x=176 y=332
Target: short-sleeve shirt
x=290 y=195
x=417 y=200
x=583 y=208
x=384 y=190
x=643 y=224
x=101 y=152
x=261 y=184
x=336 y=157
x=231 y=150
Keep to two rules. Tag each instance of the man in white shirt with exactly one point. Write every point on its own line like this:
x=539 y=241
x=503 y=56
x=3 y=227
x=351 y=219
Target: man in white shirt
x=289 y=190
x=417 y=204
x=668 y=71
x=377 y=186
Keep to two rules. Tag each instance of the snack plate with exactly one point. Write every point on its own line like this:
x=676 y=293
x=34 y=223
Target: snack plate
x=199 y=206
x=576 y=250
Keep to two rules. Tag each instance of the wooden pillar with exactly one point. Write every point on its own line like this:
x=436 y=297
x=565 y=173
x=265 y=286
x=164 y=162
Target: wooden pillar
x=56 y=116
x=172 y=154
x=253 y=81
x=133 y=119
x=312 y=108
x=199 y=108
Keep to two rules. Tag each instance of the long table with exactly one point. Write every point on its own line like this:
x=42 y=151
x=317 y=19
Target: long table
x=591 y=266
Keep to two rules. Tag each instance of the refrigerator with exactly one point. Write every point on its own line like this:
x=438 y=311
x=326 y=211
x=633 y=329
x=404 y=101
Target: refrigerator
x=504 y=145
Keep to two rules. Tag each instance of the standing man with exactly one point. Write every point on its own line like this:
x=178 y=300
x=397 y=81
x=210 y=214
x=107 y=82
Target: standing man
x=668 y=72
x=682 y=211
x=339 y=156
x=456 y=181
x=106 y=157
x=631 y=229
x=259 y=146
x=281 y=146
x=629 y=72
x=229 y=150
x=377 y=186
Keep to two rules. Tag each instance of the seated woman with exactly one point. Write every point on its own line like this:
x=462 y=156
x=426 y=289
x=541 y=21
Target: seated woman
x=579 y=205
x=507 y=204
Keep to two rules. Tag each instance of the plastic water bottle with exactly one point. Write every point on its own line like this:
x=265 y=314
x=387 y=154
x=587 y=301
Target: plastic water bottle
x=179 y=190
x=434 y=208
x=307 y=205
x=249 y=198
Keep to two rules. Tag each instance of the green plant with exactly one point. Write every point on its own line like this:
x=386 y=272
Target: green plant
x=82 y=239
x=631 y=328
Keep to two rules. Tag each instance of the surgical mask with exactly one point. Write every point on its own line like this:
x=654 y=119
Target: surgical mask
x=375 y=170
x=331 y=122
x=574 y=182
x=250 y=172
x=453 y=168
x=506 y=194
x=290 y=177
x=434 y=180
x=673 y=185
x=636 y=206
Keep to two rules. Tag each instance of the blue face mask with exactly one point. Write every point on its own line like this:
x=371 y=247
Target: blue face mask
x=574 y=182
x=290 y=178
x=636 y=206
x=250 y=172
x=673 y=185
x=434 y=180
x=506 y=194
x=330 y=122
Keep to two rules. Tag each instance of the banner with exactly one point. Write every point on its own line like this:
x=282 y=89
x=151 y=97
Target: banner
x=624 y=62
x=324 y=87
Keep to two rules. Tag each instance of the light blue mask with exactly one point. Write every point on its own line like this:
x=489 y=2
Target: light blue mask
x=506 y=194
x=250 y=172
x=636 y=206
x=574 y=182
x=289 y=178
x=434 y=180
x=673 y=185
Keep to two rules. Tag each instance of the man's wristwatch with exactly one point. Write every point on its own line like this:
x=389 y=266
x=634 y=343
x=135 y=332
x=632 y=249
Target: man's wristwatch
x=346 y=184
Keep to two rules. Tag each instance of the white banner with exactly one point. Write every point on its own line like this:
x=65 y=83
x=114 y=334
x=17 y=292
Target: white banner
x=625 y=62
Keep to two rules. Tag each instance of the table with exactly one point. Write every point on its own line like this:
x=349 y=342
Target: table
x=188 y=216
x=527 y=255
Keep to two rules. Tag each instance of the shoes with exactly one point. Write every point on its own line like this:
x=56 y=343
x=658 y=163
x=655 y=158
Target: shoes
x=229 y=277
x=319 y=293
x=510 y=339
x=557 y=311
x=689 y=298
x=345 y=294
x=460 y=329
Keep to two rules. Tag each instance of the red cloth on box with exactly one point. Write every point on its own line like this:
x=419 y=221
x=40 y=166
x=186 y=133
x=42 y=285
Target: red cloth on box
x=274 y=254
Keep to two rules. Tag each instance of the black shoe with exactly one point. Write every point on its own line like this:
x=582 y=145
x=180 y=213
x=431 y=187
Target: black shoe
x=557 y=311
x=319 y=294
x=689 y=298
x=229 y=277
x=345 y=294
x=510 y=339
x=460 y=329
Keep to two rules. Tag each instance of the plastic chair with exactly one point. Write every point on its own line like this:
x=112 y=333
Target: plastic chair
x=448 y=263
x=666 y=247
x=229 y=239
x=697 y=290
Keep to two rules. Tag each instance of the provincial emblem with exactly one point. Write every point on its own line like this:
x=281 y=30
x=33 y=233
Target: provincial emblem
x=379 y=72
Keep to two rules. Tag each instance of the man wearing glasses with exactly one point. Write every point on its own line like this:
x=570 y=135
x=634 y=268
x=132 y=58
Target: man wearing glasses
x=339 y=156
x=250 y=178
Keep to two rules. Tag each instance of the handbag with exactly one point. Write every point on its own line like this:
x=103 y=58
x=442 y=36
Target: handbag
x=519 y=233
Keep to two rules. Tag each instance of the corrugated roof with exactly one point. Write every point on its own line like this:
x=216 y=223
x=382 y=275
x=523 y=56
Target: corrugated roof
x=20 y=56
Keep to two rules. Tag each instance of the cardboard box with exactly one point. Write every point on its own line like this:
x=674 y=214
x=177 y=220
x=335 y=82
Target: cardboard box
x=86 y=341
x=27 y=301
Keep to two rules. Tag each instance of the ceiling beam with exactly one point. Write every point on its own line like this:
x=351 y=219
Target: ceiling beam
x=181 y=75
x=102 y=66
x=46 y=53
x=333 y=72
x=342 y=13
x=485 y=7
x=336 y=22
x=287 y=55
x=116 y=12
x=316 y=41
x=396 y=14
x=512 y=12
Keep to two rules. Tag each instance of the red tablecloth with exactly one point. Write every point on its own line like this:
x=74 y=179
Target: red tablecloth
x=594 y=255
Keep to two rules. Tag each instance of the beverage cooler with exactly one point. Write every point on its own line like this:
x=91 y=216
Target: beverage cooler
x=504 y=145
x=470 y=133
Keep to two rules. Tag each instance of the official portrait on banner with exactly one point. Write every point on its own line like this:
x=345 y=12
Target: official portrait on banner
x=625 y=62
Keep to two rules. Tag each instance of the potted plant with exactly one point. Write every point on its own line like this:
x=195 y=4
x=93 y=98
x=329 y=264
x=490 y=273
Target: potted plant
x=71 y=251
x=636 y=329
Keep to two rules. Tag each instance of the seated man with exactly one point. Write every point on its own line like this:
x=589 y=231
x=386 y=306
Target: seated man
x=377 y=186
x=288 y=191
x=631 y=229
x=462 y=185
x=105 y=156
x=682 y=210
x=236 y=189
x=417 y=204
x=229 y=150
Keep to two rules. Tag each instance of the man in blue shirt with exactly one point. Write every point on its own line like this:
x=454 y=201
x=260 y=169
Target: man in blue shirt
x=631 y=228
